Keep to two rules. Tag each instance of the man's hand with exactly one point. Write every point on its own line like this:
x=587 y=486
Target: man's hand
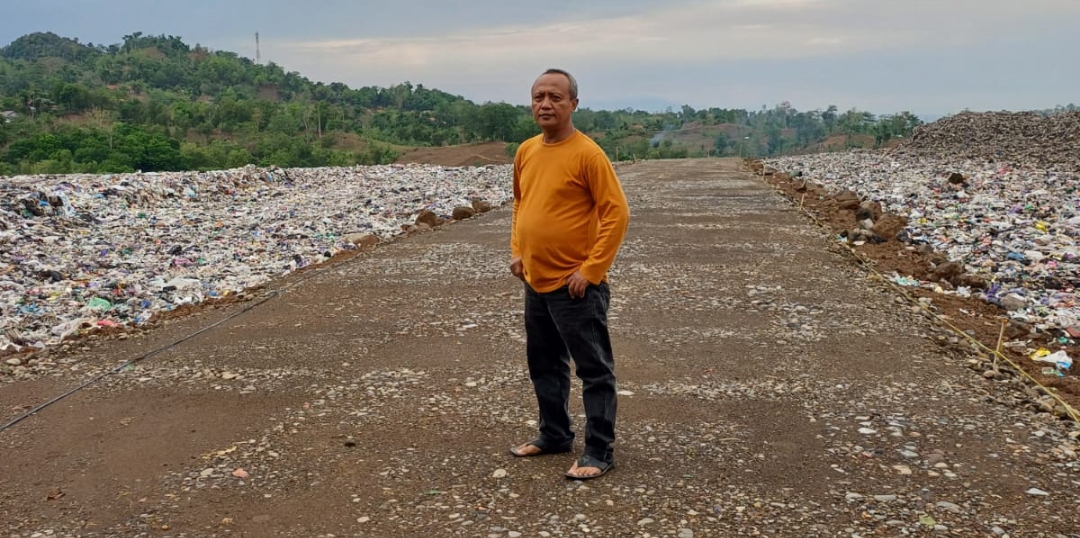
x=577 y=285
x=517 y=268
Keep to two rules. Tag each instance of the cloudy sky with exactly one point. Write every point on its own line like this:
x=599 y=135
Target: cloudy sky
x=931 y=57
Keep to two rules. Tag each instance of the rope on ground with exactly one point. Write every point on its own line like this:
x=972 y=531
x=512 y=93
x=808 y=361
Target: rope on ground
x=1069 y=410
x=103 y=375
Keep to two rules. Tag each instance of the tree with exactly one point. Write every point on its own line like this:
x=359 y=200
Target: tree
x=829 y=117
x=722 y=143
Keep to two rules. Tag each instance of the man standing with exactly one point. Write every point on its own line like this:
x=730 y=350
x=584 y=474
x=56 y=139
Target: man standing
x=570 y=218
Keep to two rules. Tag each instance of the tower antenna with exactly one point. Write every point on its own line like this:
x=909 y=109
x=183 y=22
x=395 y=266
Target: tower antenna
x=258 y=53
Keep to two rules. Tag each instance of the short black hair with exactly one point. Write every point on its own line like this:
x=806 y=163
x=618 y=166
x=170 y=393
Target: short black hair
x=573 y=81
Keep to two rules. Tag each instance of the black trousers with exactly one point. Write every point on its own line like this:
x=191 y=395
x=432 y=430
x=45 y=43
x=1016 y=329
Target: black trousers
x=559 y=328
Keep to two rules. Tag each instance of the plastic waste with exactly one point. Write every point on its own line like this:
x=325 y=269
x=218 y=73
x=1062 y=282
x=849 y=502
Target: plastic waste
x=83 y=248
x=98 y=303
x=1059 y=359
x=904 y=280
x=1015 y=226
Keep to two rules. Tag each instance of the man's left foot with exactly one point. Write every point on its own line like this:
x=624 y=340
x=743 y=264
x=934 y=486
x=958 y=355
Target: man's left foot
x=589 y=467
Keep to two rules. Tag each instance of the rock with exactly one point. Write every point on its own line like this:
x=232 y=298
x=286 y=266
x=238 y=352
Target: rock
x=867 y=431
x=645 y=521
x=948 y=506
x=889 y=226
x=14 y=362
x=481 y=206
x=970 y=281
x=1012 y=302
x=992 y=374
x=853 y=497
x=1036 y=492
x=846 y=195
x=499 y=473
x=686 y=533
x=904 y=470
x=935 y=457
x=462 y=213
x=884 y=498
x=948 y=271
x=240 y=473
x=1018 y=329
x=847 y=200
x=361 y=240
x=514 y=534
x=427 y=217
x=869 y=210
x=957 y=178
x=228 y=376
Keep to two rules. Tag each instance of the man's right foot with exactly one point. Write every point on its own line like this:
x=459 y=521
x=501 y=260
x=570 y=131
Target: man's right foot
x=526 y=449
x=537 y=447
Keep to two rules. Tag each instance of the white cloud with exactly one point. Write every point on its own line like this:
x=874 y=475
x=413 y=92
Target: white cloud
x=734 y=29
x=491 y=62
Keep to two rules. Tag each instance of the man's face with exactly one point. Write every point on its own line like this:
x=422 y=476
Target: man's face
x=551 y=102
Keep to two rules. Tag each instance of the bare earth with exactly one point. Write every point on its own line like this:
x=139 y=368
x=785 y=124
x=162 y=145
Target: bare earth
x=770 y=389
x=462 y=155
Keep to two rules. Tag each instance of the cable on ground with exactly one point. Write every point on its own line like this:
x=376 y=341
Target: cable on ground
x=117 y=369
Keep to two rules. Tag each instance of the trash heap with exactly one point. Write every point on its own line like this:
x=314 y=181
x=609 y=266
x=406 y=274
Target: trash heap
x=1002 y=137
x=85 y=251
x=1014 y=226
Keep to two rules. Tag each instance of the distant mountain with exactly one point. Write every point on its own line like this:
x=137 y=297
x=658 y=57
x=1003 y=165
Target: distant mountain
x=653 y=105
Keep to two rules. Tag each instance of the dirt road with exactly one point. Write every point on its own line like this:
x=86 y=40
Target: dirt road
x=769 y=388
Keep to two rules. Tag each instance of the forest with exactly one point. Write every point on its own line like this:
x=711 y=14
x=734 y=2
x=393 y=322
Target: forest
x=156 y=103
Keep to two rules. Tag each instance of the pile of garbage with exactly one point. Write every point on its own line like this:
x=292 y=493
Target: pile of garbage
x=1027 y=138
x=1014 y=228
x=85 y=251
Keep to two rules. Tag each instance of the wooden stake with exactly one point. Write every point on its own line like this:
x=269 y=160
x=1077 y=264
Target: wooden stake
x=1001 y=339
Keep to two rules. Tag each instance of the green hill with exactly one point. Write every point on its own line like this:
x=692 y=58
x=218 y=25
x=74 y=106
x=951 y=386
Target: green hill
x=156 y=103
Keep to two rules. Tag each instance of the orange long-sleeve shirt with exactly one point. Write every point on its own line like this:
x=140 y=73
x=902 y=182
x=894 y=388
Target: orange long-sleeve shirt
x=570 y=212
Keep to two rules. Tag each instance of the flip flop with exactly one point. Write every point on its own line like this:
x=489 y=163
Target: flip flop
x=589 y=461
x=544 y=449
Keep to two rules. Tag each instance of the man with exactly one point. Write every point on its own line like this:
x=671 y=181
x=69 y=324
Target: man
x=570 y=218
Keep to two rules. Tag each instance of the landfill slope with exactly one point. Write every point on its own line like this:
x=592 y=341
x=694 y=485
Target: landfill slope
x=1017 y=138
x=768 y=386
x=993 y=197
x=1015 y=228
